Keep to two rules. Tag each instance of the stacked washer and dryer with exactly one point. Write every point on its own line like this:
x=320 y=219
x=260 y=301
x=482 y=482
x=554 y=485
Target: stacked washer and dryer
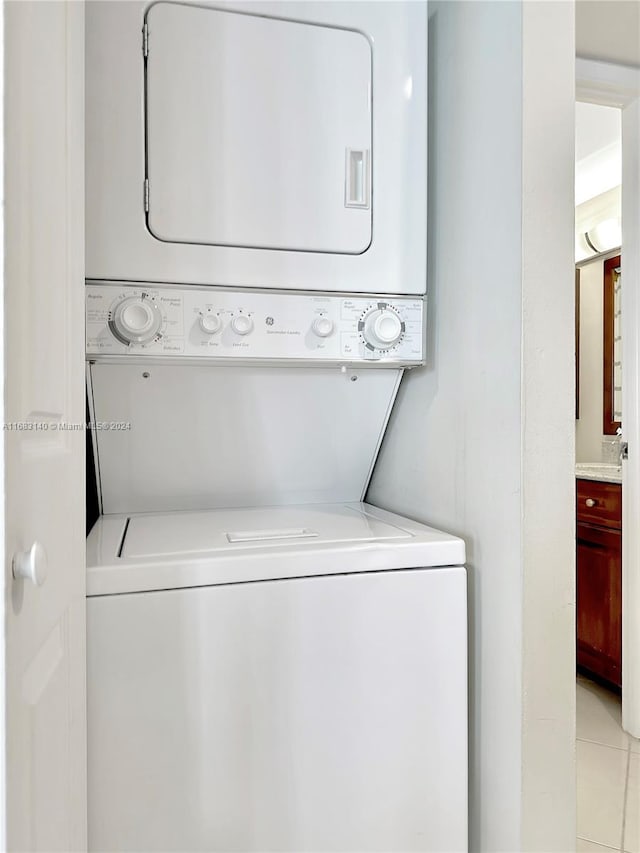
x=273 y=664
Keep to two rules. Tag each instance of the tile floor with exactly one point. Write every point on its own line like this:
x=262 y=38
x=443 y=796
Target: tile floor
x=608 y=774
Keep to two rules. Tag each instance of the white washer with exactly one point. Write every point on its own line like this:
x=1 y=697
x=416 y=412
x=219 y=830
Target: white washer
x=280 y=678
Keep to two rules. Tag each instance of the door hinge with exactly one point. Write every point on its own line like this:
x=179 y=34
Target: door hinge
x=624 y=450
x=145 y=40
x=146 y=195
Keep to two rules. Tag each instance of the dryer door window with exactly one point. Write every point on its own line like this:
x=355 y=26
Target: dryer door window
x=258 y=131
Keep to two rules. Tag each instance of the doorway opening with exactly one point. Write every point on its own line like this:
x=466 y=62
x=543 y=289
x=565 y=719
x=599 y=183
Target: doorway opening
x=608 y=754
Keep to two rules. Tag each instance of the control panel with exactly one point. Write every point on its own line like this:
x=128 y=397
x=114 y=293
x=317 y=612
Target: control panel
x=216 y=323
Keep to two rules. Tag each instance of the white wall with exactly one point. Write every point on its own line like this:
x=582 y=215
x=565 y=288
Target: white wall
x=547 y=428
x=481 y=440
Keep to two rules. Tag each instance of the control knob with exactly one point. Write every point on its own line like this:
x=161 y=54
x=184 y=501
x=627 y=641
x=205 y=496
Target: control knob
x=136 y=320
x=242 y=324
x=382 y=328
x=210 y=323
x=322 y=327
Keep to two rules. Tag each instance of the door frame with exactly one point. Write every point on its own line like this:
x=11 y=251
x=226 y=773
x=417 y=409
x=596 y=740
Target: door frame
x=618 y=86
x=3 y=727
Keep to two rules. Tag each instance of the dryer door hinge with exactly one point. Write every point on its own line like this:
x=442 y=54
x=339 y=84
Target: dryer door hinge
x=146 y=195
x=145 y=40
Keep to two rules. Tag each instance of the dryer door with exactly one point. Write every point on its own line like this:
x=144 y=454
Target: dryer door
x=258 y=131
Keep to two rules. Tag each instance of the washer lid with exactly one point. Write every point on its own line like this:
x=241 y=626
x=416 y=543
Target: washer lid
x=172 y=550
x=197 y=533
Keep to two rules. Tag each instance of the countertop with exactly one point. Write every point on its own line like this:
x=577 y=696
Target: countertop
x=606 y=472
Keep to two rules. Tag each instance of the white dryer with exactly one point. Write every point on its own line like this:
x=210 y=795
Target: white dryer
x=277 y=678
x=258 y=144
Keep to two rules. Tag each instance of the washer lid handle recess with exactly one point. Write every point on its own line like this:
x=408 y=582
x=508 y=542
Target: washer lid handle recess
x=272 y=535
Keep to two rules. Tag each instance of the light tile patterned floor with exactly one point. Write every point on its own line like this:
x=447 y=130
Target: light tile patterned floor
x=608 y=774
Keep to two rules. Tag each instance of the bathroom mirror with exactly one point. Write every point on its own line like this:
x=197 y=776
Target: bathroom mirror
x=612 y=348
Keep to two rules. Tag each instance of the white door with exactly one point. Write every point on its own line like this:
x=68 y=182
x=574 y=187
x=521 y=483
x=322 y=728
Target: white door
x=258 y=131
x=45 y=770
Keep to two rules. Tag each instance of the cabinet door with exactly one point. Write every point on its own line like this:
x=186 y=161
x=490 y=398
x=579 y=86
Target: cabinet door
x=258 y=131
x=599 y=601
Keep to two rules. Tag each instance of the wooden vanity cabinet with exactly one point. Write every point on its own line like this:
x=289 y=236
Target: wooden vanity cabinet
x=599 y=579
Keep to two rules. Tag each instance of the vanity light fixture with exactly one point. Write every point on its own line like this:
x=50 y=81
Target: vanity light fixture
x=599 y=239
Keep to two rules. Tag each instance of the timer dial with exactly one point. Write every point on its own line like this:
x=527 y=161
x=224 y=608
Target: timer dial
x=135 y=320
x=242 y=324
x=210 y=323
x=382 y=328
